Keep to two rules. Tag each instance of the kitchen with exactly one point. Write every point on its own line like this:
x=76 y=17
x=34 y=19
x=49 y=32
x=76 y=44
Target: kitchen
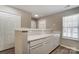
x=36 y=29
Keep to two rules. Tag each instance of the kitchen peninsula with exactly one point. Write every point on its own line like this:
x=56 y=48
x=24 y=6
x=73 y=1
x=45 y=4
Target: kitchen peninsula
x=36 y=41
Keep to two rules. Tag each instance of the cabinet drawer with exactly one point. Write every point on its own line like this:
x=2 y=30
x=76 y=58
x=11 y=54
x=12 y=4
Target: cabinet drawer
x=36 y=46
x=33 y=43
x=39 y=41
x=39 y=49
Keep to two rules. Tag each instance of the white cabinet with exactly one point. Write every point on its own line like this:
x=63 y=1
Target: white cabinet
x=37 y=49
x=42 y=24
x=40 y=45
x=33 y=24
x=41 y=48
x=44 y=45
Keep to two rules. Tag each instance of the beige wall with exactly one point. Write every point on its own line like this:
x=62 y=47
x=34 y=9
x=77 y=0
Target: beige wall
x=25 y=16
x=26 y=20
x=55 y=22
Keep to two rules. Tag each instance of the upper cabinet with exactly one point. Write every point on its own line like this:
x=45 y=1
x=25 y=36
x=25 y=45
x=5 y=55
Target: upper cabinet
x=33 y=24
x=39 y=24
x=42 y=24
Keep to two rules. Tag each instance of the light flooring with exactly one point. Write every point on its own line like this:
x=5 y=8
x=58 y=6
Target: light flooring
x=58 y=50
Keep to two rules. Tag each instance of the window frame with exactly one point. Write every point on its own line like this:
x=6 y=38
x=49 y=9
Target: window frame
x=66 y=37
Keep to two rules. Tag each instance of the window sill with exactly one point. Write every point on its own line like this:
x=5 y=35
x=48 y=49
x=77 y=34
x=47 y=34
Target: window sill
x=70 y=38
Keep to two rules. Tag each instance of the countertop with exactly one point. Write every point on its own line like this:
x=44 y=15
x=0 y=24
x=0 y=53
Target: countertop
x=40 y=36
x=37 y=37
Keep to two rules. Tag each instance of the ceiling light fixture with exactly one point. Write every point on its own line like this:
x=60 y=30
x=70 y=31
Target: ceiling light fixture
x=36 y=15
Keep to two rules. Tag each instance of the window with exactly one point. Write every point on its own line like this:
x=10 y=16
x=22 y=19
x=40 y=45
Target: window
x=71 y=26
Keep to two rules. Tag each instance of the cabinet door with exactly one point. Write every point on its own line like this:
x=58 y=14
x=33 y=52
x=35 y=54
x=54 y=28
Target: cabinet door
x=38 y=49
x=42 y=24
x=54 y=41
x=57 y=40
x=47 y=46
x=50 y=44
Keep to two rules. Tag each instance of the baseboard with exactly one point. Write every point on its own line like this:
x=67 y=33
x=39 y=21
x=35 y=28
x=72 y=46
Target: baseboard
x=6 y=49
x=69 y=47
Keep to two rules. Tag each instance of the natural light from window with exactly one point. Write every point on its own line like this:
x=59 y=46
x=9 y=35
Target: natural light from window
x=71 y=27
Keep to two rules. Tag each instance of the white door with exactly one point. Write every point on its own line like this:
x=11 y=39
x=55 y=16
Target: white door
x=8 y=24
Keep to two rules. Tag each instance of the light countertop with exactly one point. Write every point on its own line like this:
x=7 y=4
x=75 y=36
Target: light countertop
x=37 y=37
x=40 y=36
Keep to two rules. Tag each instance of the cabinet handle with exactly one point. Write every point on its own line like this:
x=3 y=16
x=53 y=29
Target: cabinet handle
x=39 y=45
x=46 y=42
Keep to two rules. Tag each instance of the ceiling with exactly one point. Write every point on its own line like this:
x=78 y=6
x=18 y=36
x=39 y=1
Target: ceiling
x=43 y=10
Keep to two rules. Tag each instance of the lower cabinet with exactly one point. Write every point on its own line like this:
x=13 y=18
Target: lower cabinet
x=38 y=49
x=44 y=45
